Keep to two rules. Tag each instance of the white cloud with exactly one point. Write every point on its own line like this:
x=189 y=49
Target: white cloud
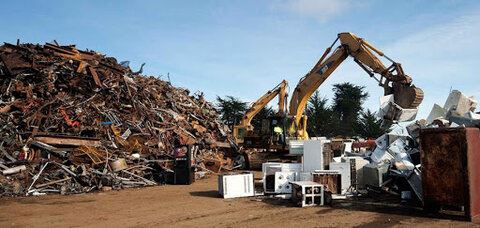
x=321 y=10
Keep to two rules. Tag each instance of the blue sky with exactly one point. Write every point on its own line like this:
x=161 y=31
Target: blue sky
x=244 y=48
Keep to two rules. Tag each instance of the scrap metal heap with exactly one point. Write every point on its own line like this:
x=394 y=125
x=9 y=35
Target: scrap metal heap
x=73 y=121
x=397 y=153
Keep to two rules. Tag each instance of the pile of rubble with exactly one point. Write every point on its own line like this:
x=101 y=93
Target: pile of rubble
x=74 y=121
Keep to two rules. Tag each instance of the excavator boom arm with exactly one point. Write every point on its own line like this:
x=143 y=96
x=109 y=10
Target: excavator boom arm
x=392 y=78
x=312 y=80
x=279 y=90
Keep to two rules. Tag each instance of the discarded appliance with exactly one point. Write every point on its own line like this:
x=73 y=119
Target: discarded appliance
x=345 y=171
x=391 y=111
x=236 y=185
x=281 y=183
x=450 y=169
x=328 y=155
x=356 y=164
x=347 y=147
x=313 y=155
x=272 y=181
x=459 y=104
x=295 y=147
x=374 y=175
x=458 y=110
x=307 y=193
x=184 y=171
x=304 y=176
x=331 y=179
x=437 y=112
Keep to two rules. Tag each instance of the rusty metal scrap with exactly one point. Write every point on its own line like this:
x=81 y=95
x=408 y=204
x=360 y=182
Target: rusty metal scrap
x=67 y=115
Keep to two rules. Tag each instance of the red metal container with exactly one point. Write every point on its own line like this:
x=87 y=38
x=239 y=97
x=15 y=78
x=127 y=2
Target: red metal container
x=451 y=169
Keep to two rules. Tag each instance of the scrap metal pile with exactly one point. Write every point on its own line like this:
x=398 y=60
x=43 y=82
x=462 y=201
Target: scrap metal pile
x=74 y=121
x=397 y=153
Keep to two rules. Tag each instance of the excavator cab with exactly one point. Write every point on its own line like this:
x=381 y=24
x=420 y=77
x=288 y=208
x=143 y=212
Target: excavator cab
x=244 y=128
x=239 y=132
x=271 y=136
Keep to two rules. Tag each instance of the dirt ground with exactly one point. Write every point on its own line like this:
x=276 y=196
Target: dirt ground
x=199 y=205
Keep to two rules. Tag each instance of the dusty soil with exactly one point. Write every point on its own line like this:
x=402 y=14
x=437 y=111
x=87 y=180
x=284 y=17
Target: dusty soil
x=199 y=205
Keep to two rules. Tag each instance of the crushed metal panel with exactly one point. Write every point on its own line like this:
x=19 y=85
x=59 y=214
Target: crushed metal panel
x=437 y=112
x=415 y=182
x=466 y=122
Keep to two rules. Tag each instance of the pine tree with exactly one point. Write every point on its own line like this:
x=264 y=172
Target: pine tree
x=231 y=109
x=347 y=106
x=319 y=116
x=369 y=125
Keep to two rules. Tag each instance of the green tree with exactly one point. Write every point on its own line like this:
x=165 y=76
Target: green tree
x=319 y=122
x=231 y=109
x=347 y=106
x=264 y=113
x=369 y=125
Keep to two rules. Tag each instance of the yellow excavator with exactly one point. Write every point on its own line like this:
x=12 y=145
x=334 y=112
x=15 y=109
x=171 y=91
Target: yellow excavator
x=245 y=127
x=392 y=79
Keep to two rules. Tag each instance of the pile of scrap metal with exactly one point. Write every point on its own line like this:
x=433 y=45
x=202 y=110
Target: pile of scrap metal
x=390 y=163
x=397 y=154
x=74 y=121
x=395 y=162
x=459 y=110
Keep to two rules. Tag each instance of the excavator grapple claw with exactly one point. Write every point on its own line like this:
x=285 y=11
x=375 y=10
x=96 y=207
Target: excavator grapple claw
x=407 y=96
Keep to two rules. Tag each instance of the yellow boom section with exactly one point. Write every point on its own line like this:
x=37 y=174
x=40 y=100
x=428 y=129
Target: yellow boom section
x=392 y=78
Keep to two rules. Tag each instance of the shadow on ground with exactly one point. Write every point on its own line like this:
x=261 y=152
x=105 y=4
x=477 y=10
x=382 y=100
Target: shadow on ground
x=390 y=206
x=393 y=207
x=209 y=194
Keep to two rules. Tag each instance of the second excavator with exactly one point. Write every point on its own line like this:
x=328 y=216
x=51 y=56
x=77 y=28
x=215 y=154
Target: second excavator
x=245 y=128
